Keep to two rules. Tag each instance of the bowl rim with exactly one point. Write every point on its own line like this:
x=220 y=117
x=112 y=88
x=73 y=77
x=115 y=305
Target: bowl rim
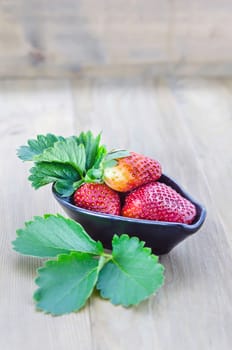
x=202 y=211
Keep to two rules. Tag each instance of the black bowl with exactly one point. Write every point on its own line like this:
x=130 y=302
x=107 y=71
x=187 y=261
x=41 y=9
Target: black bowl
x=158 y=235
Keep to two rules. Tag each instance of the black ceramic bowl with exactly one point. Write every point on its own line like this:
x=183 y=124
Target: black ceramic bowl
x=158 y=235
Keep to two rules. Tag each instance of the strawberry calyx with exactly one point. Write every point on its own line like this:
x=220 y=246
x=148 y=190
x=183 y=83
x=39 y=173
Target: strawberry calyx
x=96 y=175
x=111 y=158
x=68 y=162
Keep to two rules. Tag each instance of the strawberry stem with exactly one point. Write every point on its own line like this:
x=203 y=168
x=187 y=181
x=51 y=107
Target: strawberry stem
x=103 y=260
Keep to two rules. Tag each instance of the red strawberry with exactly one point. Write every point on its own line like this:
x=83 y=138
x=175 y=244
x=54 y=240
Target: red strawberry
x=97 y=197
x=157 y=201
x=131 y=172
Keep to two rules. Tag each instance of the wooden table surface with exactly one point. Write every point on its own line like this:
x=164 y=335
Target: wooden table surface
x=187 y=125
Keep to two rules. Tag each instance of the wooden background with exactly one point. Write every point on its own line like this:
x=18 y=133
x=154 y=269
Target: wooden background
x=186 y=124
x=106 y=57
x=88 y=37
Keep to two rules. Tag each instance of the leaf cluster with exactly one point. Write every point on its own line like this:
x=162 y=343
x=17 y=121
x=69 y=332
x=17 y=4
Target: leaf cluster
x=79 y=264
x=66 y=162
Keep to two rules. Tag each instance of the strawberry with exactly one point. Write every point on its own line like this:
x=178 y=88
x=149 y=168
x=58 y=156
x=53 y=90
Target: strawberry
x=157 y=201
x=97 y=197
x=130 y=172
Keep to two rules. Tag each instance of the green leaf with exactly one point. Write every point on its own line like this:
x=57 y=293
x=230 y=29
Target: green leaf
x=93 y=174
x=64 y=188
x=44 y=173
x=51 y=235
x=91 y=145
x=65 y=152
x=65 y=161
x=133 y=273
x=37 y=146
x=78 y=184
x=100 y=155
x=110 y=163
x=66 y=284
x=117 y=154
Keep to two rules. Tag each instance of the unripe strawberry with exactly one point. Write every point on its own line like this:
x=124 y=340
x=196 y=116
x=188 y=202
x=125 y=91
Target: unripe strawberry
x=131 y=171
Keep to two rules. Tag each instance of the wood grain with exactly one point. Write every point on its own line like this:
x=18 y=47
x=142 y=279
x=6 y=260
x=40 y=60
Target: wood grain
x=211 y=137
x=193 y=309
x=79 y=37
x=29 y=108
x=185 y=124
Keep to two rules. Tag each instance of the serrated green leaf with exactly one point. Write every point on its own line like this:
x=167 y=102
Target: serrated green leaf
x=44 y=173
x=91 y=145
x=100 y=156
x=51 y=235
x=66 y=152
x=66 y=284
x=64 y=161
x=132 y=275
x=37 y=146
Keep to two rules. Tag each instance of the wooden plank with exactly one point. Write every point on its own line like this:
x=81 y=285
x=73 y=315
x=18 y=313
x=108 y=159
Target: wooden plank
x=193 y=309
x=113 y=107
x=210 y=249
x=164 y=119
x=84 y=37
x=70 y=35
x=200 y=28
x=29 y=108
x=210 y=102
